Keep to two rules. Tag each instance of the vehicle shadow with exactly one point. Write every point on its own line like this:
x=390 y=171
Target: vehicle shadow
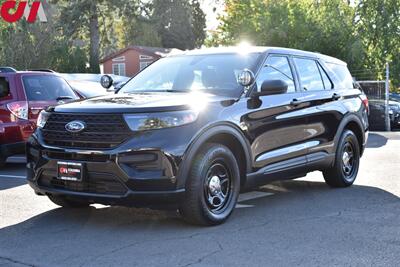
x=12 y=175
x=376 y=140
x=292 y=211
x=7 y=183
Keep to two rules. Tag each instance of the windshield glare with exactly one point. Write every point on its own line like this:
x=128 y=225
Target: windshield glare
x=215 y=74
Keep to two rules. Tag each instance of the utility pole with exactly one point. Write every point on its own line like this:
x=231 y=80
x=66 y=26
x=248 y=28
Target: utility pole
x=387 y=119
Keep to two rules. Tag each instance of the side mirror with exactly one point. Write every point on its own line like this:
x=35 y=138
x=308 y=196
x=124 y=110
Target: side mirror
x=106 y=81
x=272 y=87
x=246 y=78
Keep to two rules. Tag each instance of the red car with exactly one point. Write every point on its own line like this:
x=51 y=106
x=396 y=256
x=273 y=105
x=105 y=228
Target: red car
x=23 y=94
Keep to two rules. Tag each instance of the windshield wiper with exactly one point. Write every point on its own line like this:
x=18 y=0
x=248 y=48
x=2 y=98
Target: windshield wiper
x=176 y=91
x=64 y=98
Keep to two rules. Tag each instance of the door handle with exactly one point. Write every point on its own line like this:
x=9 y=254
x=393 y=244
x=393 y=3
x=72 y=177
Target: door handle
x=295 y=102
x=335 y=96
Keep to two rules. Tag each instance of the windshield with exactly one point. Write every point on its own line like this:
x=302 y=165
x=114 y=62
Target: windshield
x=215 y=74
x=47 y=88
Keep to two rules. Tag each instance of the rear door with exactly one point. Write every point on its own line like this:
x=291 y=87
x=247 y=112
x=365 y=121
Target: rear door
x=324 y=112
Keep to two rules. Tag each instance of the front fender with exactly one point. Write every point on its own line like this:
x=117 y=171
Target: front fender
x=202 y=137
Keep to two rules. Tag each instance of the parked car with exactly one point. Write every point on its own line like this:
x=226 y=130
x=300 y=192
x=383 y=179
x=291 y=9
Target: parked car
x=394 y=114
x=394 y=97
x=22 y=96
x=88 y=84
x=193 y=130
x=87 y=89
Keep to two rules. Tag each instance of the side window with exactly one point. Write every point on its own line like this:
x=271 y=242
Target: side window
x=276 y=68
x=327 y=82
x=310 y=77
x=343 y=75
x=4 y=88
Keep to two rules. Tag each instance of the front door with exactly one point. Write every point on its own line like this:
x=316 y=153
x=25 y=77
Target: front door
x=276 y=123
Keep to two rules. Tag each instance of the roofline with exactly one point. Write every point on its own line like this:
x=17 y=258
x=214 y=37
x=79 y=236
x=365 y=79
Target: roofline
x=121 y=51
x=262 y=49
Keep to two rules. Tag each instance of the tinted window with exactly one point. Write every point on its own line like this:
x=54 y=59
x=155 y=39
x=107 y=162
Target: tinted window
x=4 y=87
x=327 y=82
x=215 y=74
x=46 y=87
x=276 y=68
x=310 y=77
x=343 y=75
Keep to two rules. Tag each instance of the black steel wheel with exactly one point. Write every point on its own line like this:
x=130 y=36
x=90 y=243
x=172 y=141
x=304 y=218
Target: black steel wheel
x=347 y=162
x=212 y=187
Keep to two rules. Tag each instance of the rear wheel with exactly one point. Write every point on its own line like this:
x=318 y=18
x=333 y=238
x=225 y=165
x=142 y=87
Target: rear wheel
x=347 y=161
x=212 y=187
x=67 y=202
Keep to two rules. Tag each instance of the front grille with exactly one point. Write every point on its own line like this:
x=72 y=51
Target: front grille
x=103 y=131
x=98 y=183
x=76 y=157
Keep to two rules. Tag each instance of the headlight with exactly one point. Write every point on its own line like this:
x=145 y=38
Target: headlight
x=42 y=119
x=151 y=121
x=390 y=112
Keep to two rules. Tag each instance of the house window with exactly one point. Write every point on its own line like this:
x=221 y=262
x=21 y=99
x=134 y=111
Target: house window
x=144 y=64
x=142 y=57
x=118 y=69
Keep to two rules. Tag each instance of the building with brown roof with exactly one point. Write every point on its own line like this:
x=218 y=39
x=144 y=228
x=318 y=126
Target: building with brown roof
x=131 y=60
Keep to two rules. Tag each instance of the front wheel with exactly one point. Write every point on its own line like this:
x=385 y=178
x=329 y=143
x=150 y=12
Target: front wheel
x=347 y=161
x=212 y=187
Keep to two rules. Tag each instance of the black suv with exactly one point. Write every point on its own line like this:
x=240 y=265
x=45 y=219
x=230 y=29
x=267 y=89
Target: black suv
x=193 y=130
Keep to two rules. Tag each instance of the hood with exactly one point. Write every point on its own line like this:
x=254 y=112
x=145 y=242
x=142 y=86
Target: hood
x=143 y=102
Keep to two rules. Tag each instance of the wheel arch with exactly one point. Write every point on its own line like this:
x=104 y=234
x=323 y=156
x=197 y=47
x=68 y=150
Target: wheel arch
x=226 y=134
x=353 y=123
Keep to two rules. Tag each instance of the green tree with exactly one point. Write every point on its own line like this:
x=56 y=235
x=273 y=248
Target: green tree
x=180 y=24
x=38 y=45
x=378 y=25
x=323 y=26
x=94 y=23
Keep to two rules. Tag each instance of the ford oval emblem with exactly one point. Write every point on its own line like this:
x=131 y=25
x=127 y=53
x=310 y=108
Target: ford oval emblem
x=75 y=126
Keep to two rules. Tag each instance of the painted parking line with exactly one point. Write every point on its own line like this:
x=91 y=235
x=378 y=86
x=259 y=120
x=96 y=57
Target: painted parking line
x=242 y=206
x=253 y=195
x=250 y=196
x=16 y=159
x=12 y=176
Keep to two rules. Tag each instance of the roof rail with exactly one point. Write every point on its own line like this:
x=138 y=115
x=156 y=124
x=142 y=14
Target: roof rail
x=42 y=70
x=7 y=69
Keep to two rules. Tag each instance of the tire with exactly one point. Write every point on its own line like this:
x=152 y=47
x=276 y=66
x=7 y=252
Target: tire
x=67 y=203
x=347 y=162
x=213 y=174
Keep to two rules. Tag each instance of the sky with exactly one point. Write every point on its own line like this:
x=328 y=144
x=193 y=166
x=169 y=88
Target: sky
x=211 y=16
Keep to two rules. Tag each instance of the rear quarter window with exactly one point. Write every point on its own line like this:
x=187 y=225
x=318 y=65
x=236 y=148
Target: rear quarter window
x=342 y=74
x=5 y=92
x=46 y=88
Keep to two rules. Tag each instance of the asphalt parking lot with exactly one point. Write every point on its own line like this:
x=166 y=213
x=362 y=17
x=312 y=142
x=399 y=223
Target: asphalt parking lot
x=301 y=222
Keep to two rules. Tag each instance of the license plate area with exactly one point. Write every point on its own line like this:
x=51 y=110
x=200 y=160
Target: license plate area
x=69 y=171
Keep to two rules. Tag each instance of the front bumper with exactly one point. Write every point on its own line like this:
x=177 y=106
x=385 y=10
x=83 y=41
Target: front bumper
x=145 y=177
